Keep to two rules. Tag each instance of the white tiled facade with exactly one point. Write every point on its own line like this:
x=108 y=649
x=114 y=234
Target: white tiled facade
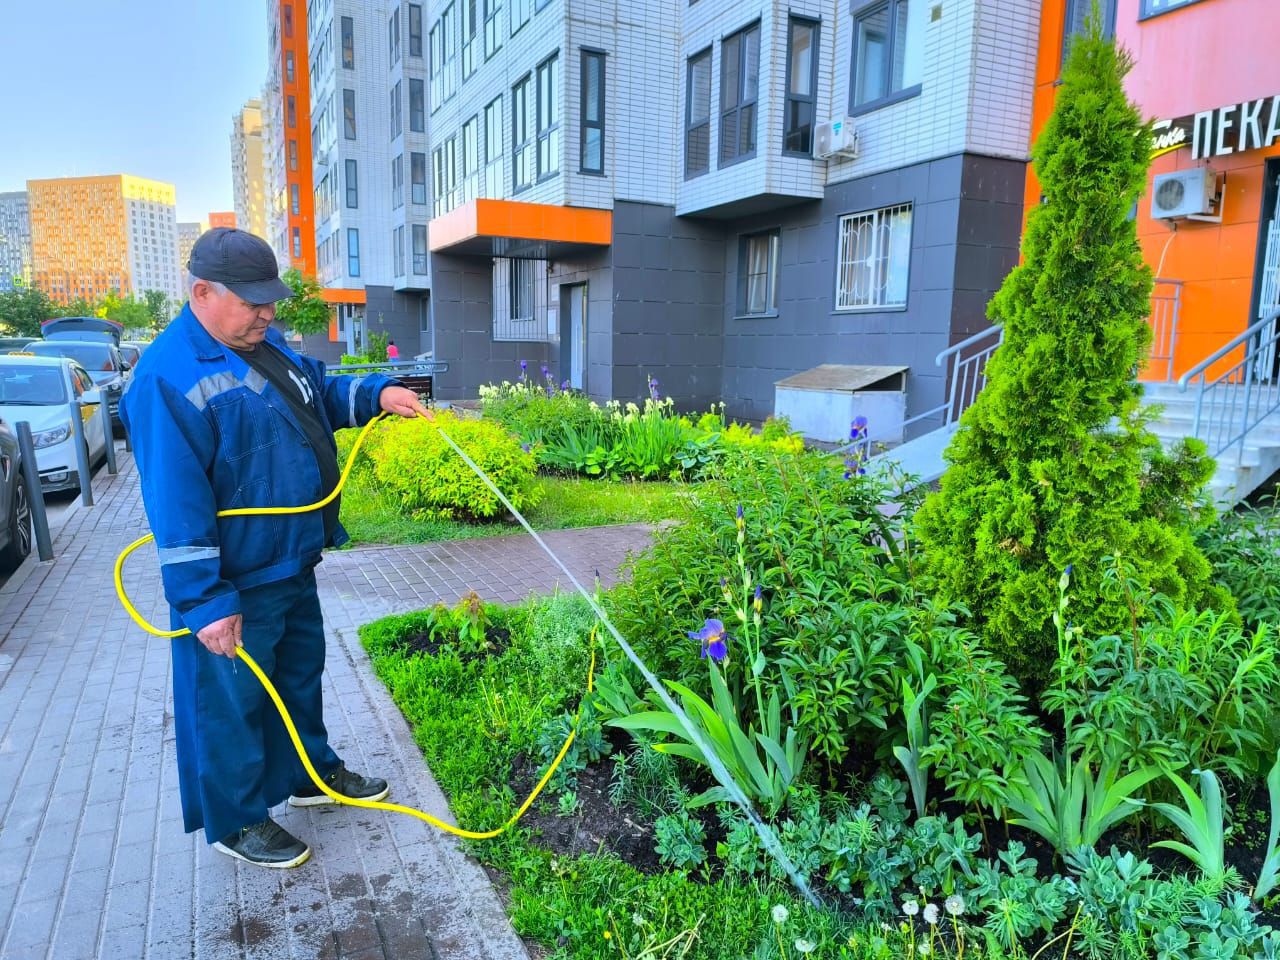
x=152 y=224
x=275 y=170
x=15 y=239
x=247 y=169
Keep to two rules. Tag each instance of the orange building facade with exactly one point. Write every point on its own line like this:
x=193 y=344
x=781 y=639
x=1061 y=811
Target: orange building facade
x=1206 y=74
x=225 y=218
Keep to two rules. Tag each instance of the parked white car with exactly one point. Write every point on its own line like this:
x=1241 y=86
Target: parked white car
x=40 y=390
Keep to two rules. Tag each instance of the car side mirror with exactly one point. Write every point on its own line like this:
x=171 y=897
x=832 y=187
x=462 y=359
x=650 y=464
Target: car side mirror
x=90 y=397
x=126 y=366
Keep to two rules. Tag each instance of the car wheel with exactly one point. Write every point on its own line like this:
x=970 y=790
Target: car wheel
x=19 y=528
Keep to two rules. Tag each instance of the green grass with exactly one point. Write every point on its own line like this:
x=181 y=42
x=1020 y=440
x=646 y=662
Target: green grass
x=370 y=516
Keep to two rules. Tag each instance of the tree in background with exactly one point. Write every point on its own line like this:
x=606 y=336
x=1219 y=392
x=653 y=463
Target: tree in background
x=159 y=308
x=23 y=308
x=305 y=312
x=130 y=313
x=1053 y=465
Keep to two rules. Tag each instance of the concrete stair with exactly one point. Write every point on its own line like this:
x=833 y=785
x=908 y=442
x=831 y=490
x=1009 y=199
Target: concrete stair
x=1239 y=472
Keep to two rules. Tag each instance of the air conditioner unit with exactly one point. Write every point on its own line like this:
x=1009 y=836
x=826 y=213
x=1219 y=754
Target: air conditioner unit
x=836 y=138
x=1184 y=193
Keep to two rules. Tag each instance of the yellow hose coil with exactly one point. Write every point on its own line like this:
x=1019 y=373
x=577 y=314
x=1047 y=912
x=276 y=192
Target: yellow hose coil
x=284 y=711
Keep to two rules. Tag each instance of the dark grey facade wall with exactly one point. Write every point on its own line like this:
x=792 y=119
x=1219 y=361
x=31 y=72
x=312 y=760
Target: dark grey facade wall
x=668 y=305
x=807 y=331
x=398 y=316
x=462 y=294
x=596 y=271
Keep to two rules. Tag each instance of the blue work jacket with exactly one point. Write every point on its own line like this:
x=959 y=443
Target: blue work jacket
x=210 y=433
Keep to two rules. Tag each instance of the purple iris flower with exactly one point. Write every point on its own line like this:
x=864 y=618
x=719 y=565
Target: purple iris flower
x=759 y=600
x=564 y=387
x=715 y=642
x=739 y=511
x=525 y=447
x=858 y=428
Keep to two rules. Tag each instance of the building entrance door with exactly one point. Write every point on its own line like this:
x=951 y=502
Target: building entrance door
x=577 y=296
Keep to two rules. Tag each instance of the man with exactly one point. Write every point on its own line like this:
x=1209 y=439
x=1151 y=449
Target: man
x=223 y=414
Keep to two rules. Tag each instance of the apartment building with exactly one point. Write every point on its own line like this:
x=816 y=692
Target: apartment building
x=188 y=233
x=92 y=235
x=248 y=180
x=623 y=189
x=15 y=239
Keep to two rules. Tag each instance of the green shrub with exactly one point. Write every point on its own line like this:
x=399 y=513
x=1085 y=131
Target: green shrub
x=416 y=466
x=1053 y=464
x=1244 y=549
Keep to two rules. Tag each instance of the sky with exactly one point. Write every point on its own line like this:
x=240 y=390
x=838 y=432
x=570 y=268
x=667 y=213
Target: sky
x=147 y=87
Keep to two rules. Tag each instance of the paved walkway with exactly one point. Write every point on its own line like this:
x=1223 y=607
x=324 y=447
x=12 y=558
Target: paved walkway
x=93 y=860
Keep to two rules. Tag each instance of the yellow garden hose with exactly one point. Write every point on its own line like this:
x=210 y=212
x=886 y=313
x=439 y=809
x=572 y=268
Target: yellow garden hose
x=284 y=711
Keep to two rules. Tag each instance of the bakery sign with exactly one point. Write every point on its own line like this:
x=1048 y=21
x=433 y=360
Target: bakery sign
x=1236 y=128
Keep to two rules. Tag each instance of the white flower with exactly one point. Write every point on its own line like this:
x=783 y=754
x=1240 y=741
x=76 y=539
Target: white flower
x=923 y=949
x=780 y=914
x=955 y=904
x=637 y=920
x=805 y=946
x=931 y=913
x=910 y=908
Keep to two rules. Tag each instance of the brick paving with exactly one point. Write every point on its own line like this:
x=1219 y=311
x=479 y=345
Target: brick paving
x=93 y=859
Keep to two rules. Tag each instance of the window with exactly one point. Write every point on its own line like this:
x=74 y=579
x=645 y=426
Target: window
x=295 y=202
x=349 y=114
x=548 y=119
x=436 y=39
x=291 y=112
x=739 y=86
x=415 y=29
x=297 y=242
x=470 y=17
x=419 y=248
x=591 y=149
x=521 y=138
x=437 y=181
x=288 y=28
x=1078 y=12
x=418 y=177
x=451 y=173
x=396 y=121
x=348 y=44
x=874 y=258
x=493 y=148
x=353 y=251
x=1151 y=8
x=521 y=11
x=887 y=51
x=397 y=182
x=492 y=27
x=288 y=66
x=293 y=154
x=417 y=106
x=449 y=40
x=697 y=132
x=393 y=36
x=758 y=273
x=802 y=83
x=470 y=159
x=353 y=186
x=399 y=245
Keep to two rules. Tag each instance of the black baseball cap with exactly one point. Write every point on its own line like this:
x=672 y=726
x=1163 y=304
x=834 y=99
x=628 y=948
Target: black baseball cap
x=245 y=264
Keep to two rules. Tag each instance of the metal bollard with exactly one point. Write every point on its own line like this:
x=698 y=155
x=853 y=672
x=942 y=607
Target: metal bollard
x=110 y=437
x=35 y=496
x=82 y=455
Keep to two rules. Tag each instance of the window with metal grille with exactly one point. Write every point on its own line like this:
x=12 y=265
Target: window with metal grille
x=874 y=258
x=758 y=273
x=520 y=299
x=548 y=118
x=522 y=134
x=802 y=86
x=418 y=177
x=739 y=89
x=419 y=248
x=697 y=132
x=591 y=148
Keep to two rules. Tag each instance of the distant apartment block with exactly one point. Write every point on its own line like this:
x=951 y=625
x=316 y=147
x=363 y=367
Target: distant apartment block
x=188 y=233
x=92 y=235
x=15 y=239
x=248 y=173
x=226 y=218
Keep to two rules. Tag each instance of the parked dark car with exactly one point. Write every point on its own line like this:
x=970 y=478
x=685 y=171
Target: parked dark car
x=132 y=353
x=14 y=343
x=103 y=361
x=82 y=328
x=15 y=507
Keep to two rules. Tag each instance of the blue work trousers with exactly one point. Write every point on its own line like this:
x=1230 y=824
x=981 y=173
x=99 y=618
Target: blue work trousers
x=235 y=758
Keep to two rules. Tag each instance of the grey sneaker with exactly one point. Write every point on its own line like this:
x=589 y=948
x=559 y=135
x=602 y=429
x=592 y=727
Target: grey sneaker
x=344 y=782
x=265 y=844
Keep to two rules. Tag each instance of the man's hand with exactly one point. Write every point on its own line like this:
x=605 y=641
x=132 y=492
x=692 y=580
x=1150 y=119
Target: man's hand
x=222 y=636
x=403 y=401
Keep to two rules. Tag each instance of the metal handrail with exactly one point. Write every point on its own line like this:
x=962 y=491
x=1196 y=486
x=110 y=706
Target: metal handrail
x=427 y=367
x=1223 y=350
x=954 y=351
